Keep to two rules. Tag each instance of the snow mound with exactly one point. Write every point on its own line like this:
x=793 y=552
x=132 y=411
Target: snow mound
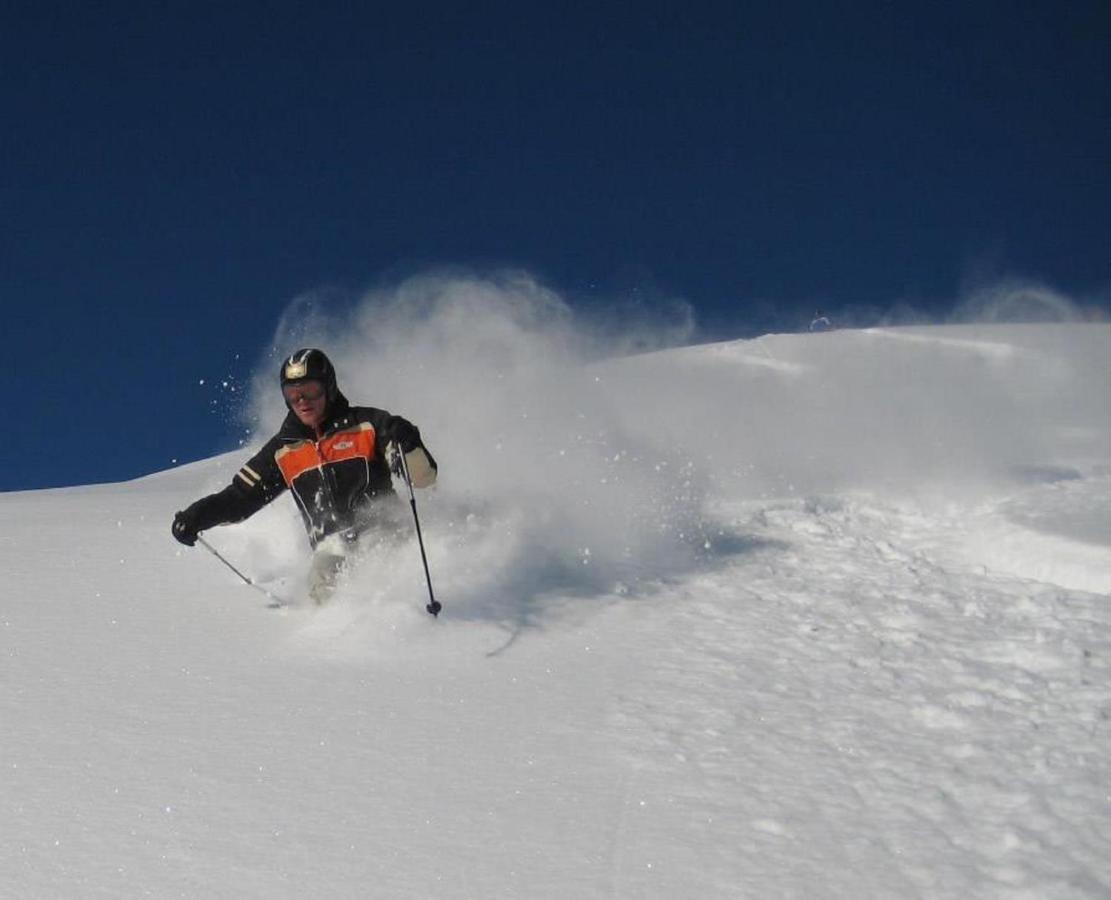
x=821 y=615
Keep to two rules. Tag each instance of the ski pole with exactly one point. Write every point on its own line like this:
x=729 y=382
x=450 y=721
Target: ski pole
x=434 y=605
x=276 y=601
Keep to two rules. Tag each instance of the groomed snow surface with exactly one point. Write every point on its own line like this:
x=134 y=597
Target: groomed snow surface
x=801 y=616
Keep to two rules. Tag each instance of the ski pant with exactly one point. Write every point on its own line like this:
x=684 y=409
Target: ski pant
x=334 y=556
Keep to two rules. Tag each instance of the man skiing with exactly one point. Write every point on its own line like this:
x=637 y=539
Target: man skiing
x=332 y=456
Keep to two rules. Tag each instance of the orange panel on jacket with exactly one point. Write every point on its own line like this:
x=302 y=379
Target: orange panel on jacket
x=356 y=443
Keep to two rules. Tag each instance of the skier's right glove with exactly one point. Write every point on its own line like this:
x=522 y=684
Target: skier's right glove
x=184 y=529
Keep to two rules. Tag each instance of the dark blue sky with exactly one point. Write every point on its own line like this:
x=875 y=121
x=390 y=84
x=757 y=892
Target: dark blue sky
x=174 y=173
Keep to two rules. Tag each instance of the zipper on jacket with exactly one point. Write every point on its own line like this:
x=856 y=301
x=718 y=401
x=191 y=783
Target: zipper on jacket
x=324 y=475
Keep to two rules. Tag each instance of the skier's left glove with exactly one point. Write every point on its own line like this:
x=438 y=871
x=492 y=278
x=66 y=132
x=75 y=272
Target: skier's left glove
x=184 y=529
x=406 y=434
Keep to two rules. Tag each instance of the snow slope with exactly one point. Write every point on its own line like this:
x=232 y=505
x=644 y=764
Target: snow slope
x=803 y=616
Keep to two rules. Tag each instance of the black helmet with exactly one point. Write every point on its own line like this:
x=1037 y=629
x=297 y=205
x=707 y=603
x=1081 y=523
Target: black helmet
x=309 y=364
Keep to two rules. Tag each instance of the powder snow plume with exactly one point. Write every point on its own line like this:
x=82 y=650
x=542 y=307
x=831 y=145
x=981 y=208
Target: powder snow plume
x=541 y=488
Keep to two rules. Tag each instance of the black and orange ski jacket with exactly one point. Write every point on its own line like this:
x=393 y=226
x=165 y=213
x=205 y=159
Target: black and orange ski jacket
x=335 y=478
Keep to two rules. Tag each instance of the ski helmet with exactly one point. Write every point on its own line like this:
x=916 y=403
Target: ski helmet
x=309 y=364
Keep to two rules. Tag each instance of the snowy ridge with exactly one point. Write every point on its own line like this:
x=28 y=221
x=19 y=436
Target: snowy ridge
x=822 y=615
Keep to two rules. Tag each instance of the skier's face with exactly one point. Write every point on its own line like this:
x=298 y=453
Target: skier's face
x=307 y=399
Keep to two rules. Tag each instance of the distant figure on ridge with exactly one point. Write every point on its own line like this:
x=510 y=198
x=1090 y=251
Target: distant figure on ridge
x=820 y=322
x=332 y=456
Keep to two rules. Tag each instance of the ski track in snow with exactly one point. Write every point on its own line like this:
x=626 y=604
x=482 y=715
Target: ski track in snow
x=833 y=686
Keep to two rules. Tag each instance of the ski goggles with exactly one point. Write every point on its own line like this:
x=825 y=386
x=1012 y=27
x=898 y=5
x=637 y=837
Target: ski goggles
x=303 y=393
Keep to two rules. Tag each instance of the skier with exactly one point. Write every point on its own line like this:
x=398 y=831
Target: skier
x=332 y=456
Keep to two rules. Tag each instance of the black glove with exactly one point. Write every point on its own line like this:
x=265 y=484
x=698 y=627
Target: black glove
x=184 y=529
x=406 y=434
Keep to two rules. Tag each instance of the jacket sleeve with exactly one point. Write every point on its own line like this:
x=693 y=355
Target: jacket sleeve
x=421 y=464
x=257 y=483
x=391 y=428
